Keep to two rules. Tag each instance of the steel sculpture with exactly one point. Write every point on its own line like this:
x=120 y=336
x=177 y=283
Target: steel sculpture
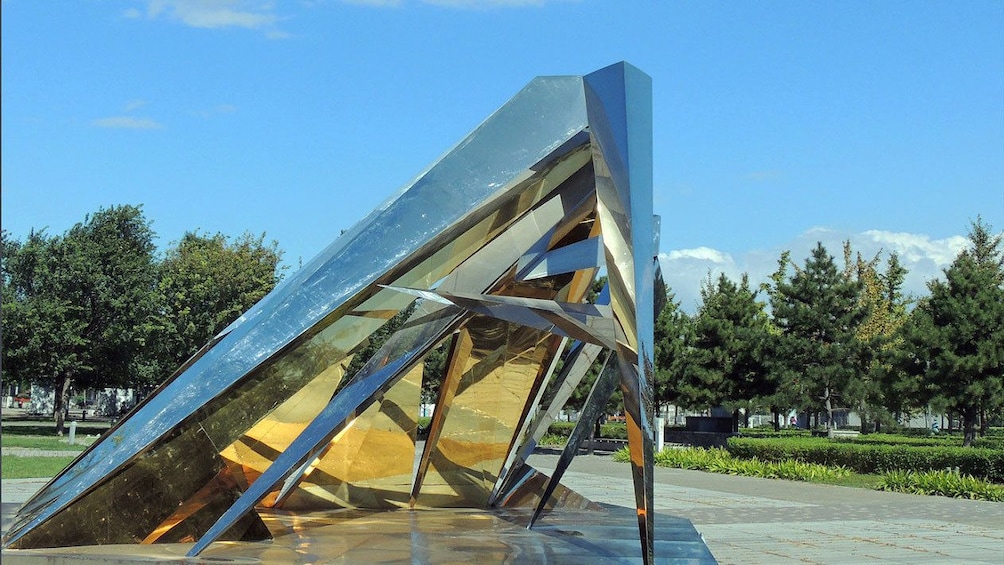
x=490 y=253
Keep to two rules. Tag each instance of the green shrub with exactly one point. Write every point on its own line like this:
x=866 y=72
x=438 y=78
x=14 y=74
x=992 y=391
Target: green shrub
x=717 y=460
x=690 y=458
x=553 y=440
x=943 y=483
x=990 y=442
x=896 y=439
x=423 y=427
x=873 y=458
x=769 y=432
x=946 y=440
x=613 y=430
x=561 y=428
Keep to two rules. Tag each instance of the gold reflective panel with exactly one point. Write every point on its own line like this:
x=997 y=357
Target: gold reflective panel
x=496 y=379
x=370 y=463
x=258 y=447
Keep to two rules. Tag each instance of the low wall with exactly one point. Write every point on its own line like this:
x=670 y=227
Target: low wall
x=604 y=444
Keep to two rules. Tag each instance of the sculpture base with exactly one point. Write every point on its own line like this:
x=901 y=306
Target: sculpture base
x=458 y=535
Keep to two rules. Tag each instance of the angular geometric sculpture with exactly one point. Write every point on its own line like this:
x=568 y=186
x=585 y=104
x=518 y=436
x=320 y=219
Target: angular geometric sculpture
x=490 y=253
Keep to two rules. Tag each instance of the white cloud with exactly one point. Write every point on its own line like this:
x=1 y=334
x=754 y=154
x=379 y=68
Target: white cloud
x=916 y=247
x=685 y=270
x=216 y=14
x=134 y=105
x=126 y=122
x=476 y=4
x=701 y=254
x=925 y=259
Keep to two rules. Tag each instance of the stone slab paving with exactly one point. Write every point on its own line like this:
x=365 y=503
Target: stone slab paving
x=35 y=452
x=748 y=520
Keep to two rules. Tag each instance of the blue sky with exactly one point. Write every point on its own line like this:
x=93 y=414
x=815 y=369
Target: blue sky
x=777 y=124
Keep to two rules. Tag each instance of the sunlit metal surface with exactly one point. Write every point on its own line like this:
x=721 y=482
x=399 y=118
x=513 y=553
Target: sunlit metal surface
x=461 y=535
x=491 y=251
x=602 y=388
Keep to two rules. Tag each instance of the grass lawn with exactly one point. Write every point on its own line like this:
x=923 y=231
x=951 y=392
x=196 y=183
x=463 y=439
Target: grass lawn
x=41 y=435
x=49 y=443
x=14 y=467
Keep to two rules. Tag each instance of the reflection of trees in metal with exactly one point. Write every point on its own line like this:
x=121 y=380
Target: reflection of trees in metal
x=483 y=265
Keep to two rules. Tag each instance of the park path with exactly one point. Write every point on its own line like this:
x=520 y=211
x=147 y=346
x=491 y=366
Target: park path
x=750 y=520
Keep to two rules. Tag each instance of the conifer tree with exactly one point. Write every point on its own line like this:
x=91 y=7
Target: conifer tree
x=726 y=349
x=817 y=312
x=672 y=327
x=955 y=337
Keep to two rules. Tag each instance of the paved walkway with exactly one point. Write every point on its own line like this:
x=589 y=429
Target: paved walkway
x=747 y=520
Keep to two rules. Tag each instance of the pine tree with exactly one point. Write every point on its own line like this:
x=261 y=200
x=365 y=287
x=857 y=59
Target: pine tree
x=954 y=341
x=726 y=349
x=672 y=326
x=818 y=312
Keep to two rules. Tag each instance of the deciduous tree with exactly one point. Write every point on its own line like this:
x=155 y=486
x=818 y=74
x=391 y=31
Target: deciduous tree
x=206 y=282
x=83 y=303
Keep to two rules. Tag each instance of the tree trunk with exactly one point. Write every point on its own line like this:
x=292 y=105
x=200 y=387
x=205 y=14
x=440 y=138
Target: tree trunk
x=969 y=426
x=829 y=408
x=864 y=419
x=735 y=420
x=61 y=397
x=777 y=419
x=984 y=423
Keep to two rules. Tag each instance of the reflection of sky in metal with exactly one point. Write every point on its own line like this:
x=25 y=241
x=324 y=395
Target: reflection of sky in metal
x=511 y=226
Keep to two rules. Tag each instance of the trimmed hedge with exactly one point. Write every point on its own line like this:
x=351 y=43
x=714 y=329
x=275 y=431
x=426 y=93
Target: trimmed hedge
x=873 y=458
x=612 y=430
x=943 y=440
x=770 y=432
x=991 y=440
x=561 y=428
